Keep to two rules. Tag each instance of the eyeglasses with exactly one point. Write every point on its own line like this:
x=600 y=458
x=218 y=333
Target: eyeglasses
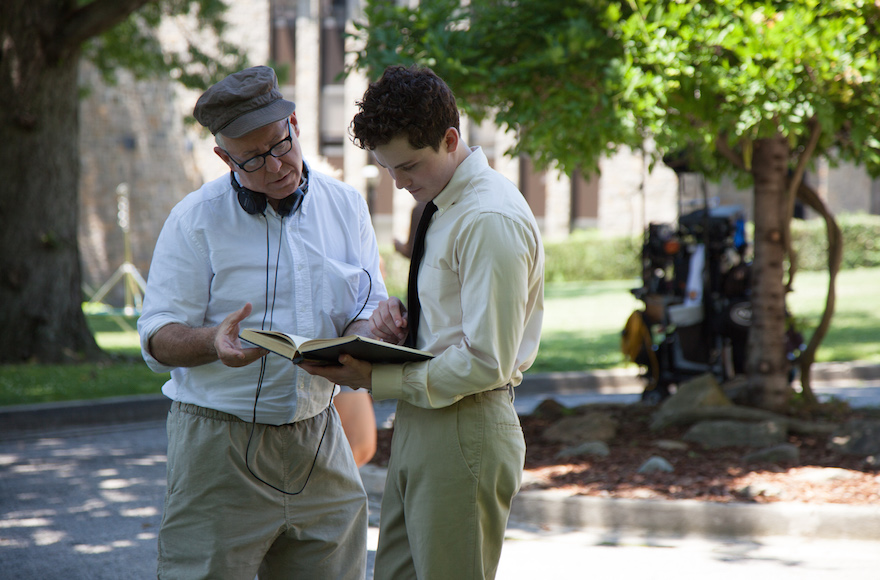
x=279 y=149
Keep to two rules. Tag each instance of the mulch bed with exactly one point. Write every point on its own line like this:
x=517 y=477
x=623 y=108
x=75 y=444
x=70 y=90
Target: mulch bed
x=819 y=476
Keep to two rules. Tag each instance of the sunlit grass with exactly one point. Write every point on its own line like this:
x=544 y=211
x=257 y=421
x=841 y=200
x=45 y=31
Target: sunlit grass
x=855 y=328
x=125 y=374
x=583 y=320
x=582 y=325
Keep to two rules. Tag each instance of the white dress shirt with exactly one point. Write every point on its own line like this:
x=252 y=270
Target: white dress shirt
x=304 y=274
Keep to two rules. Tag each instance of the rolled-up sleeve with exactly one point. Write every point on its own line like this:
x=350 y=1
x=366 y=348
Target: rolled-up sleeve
x=177 y=286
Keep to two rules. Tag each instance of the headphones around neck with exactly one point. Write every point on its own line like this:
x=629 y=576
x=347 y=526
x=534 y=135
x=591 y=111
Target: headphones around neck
x=255 y=203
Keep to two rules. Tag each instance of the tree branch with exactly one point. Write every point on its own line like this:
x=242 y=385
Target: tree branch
x=803 y=160
x=793 y=187
x=89 y=21
x=722 y=147
x=835 y=256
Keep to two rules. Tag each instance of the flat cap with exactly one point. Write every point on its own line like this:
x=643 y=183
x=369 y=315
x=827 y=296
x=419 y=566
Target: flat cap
x=242 y=102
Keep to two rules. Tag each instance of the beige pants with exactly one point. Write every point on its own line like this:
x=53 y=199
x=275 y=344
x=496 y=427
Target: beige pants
x=452 y=475
x=220 y=522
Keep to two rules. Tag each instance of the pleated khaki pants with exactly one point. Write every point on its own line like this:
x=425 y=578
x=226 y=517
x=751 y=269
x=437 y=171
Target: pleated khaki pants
x=220 y=522
x=451 y=478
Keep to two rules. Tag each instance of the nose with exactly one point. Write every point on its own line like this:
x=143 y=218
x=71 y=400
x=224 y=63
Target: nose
x=401 y=181
x=273 y=164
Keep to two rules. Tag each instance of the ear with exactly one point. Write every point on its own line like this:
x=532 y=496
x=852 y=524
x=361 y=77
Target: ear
x=222 y=155
x=295 y=124
x=451 y=139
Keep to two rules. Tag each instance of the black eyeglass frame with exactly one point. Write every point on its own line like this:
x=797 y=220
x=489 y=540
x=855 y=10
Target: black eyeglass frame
x=262 y=156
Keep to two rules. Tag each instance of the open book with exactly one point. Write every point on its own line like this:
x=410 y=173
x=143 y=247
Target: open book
x=299 y=348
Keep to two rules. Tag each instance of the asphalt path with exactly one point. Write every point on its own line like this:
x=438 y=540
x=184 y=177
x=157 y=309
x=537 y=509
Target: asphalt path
x=85 y=503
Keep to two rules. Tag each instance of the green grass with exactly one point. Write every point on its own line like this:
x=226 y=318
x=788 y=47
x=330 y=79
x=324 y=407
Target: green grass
x=583 y=320
x=582 y=325
x=855 y=328
x=126 y=374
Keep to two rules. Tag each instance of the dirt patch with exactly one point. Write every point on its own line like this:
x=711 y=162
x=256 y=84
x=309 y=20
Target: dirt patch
x=819 y=476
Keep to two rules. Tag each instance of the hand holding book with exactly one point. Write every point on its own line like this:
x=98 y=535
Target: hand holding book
x=299 y=349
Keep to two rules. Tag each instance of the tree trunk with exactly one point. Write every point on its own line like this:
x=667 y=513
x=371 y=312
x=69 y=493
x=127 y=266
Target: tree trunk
x=40 y=295
x=766 y=363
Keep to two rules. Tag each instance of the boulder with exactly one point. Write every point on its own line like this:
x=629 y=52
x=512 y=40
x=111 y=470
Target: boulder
x=717 y=434
x=550 y=409
x=857 y=437
x=701 y=391
x=784 y=453
x=656 y=463
x=598 y=448
x=582 y=428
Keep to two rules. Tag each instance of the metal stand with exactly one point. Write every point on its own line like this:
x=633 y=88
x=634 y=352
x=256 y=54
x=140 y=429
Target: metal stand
x=133 y=283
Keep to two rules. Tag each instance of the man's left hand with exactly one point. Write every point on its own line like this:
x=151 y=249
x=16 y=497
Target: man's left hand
x=350 y=372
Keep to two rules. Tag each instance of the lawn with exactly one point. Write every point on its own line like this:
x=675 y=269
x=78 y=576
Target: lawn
x=582 y=327
x=583 y=320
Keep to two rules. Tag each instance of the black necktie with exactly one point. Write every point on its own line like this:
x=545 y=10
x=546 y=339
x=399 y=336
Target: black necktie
x=412 y=295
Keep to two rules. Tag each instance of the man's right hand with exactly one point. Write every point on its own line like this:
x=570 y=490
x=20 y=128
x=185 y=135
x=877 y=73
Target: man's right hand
x=227 y=344
x=178 y=345
x=388 y=322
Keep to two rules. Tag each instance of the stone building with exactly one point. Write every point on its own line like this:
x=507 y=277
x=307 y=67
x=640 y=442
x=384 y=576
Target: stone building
x=134 y=133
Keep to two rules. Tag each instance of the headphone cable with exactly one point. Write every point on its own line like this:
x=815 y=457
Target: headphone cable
x=263 y=365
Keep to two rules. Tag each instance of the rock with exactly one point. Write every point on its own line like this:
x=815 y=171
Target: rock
x=670 y=445
x=717 y=434
x=599 y=448
x=656 y=463
x=784 y=453
x=857 y=437
x=550 y=409
x=701 y=391
x=825 y=474
x=582 y=428
x=737 y=389
x=762 y=489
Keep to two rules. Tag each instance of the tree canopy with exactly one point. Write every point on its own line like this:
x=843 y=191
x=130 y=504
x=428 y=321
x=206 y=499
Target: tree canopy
x=577 y=79
x=753 y=88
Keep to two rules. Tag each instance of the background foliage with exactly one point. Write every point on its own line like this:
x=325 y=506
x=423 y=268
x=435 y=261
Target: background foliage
x=589 y=256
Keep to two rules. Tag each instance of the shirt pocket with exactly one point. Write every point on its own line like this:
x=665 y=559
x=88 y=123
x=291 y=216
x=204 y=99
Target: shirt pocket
x=440 y=296
x=339 y=295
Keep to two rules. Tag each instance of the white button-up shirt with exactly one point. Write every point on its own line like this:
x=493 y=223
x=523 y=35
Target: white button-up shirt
x=305 y=274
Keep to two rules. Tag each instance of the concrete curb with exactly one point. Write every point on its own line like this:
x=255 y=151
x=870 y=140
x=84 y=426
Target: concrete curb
x=683 y=518
x=111 y=411
x=679 y=518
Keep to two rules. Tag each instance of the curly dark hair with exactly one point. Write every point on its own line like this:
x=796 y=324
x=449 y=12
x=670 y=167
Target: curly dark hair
x=407 y=100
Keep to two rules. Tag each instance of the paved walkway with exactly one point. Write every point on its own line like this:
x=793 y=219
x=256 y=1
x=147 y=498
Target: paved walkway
x=81 y=490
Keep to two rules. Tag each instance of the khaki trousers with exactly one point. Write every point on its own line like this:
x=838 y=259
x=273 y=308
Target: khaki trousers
x=451 y=478
x=220 y=522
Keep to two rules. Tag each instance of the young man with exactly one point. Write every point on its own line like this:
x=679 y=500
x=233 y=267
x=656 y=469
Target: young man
x=260 y=476
x=457 y=453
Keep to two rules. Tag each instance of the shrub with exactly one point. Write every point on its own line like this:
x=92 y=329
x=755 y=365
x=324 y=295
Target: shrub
x=861 y=242
x=589 y=255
